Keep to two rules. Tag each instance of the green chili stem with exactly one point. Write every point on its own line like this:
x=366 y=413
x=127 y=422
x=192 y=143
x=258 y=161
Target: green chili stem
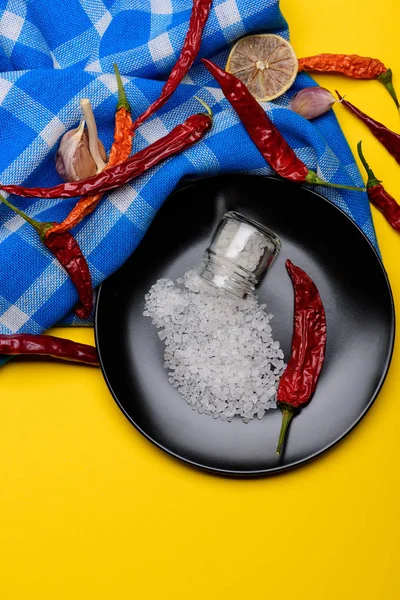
x=313 y=179
x=372 y=180
x=387 y=80
x=208 y=109
x=40 y=227
x=287 y=414
x=122 y=99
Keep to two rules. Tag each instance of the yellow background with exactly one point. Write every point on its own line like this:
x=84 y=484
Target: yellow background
x=90 y=510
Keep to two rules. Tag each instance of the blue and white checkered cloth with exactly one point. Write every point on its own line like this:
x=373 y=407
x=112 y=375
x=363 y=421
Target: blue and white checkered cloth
x=54 y=53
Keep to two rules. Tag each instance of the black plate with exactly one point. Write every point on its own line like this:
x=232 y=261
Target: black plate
x=355 y=290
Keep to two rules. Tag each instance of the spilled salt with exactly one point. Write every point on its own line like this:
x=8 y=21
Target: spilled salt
x=219 y=349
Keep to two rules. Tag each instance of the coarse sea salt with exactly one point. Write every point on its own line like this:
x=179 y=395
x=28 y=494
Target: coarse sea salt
x=219 y=350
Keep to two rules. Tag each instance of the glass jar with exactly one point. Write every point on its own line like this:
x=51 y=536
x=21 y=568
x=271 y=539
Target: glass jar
x=240 y=252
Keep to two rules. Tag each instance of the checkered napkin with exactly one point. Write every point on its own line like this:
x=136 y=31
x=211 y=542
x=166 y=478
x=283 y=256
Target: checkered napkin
x=54 y=53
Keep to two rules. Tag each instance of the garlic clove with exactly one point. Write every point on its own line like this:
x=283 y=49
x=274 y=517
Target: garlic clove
x=312 y=102
x=80 y=153
x=84 y=163
x=65 y=157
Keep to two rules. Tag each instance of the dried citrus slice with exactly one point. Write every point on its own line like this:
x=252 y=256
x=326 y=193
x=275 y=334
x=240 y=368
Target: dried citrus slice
x=265 y=63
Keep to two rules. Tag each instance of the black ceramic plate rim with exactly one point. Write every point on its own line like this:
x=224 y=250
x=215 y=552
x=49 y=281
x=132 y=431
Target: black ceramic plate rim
x=278 y=469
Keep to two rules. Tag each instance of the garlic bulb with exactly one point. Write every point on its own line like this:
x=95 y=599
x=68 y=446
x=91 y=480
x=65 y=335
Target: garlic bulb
x=312 y=102
x=81 y=154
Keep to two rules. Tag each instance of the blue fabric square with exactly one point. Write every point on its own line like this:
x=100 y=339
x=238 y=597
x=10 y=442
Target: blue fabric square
x=59 y=21
x=44 y=89
x=11 y=126
x=25 y=56
x=5 y=63
x=126 y=26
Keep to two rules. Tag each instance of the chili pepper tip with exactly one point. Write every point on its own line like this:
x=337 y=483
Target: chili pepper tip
x=208 y=109
x=341 y=98
x=388 y=138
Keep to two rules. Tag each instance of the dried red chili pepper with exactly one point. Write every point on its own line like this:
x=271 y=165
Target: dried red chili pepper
x=389 y=139
x=379 y=197
x=180 y=138
x=48 y=345
x=119 y=152
x=190 y=49
x=263 y=132
x=351 y=65
x=67 y=251
x=298 y=381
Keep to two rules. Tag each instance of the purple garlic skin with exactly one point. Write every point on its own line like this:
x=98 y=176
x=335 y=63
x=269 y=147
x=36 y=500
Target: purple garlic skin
x=73 y=159
x=312 y=102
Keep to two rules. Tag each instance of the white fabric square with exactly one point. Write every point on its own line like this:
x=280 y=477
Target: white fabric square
x=14 y=223
x=153 y=130
x=94 y=66
x=123 y=197
x=161 y=7
x=11 y=25
x=110 y=82
x=53 y=131
x=227 y=13
x=160 y=47
x=14 y=318
x=103 y=23
x=5 y=87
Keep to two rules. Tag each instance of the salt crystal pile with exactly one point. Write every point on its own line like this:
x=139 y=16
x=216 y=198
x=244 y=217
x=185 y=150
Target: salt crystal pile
x=219 y=349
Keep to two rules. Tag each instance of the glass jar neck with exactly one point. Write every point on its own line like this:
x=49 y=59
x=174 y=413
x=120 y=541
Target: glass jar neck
x=222 y=273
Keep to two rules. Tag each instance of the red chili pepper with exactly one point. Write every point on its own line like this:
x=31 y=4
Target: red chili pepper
x=66 y=249
x=263 y=132
x=379 y=197
x=180 y=138
x=389 y=139
x=48 y=345
x=190 y=49
x=351 y=65
x=299 y=380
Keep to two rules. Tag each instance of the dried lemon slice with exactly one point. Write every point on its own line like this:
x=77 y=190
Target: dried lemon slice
x=265 y=63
